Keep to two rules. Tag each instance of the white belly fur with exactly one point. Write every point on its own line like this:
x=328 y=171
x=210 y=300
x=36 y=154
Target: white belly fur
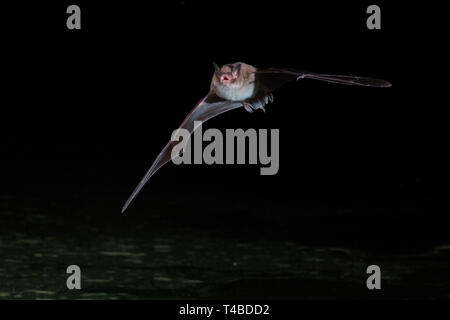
x=235 y=94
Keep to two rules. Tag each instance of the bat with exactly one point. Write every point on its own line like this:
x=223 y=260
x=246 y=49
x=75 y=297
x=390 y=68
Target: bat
x=242 y=85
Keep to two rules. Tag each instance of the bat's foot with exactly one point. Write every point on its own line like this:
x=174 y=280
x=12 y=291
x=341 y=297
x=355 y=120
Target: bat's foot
x=258 y=103
x=248 y=107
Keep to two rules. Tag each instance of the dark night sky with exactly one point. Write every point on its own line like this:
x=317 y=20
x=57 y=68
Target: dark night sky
x=95 y=107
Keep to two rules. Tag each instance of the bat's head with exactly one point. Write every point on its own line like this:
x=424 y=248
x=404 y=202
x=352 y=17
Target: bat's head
x=228 y=75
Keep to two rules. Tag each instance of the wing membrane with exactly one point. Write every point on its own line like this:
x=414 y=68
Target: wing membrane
x=209 y=107
x=273 y=78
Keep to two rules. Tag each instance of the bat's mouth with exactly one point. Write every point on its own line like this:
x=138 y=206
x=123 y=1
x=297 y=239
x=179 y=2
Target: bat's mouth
x=226 y=79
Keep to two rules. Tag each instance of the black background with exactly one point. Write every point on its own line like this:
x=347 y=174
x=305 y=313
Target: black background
x=84 y=113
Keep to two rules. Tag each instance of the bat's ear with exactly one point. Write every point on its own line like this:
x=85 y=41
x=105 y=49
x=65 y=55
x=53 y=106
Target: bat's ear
x=216 y=67
x=236 y=69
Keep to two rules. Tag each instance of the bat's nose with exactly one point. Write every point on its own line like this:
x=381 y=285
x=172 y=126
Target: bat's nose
x=225 y=78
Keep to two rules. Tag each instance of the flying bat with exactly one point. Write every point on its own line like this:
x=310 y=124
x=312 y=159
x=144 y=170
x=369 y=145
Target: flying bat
x=242 y=85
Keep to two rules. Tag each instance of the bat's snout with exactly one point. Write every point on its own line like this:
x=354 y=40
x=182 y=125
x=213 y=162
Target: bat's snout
x=226 y=78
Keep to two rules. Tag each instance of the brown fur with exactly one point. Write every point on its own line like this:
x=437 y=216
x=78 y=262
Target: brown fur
x=241 y=87
x=246 y=75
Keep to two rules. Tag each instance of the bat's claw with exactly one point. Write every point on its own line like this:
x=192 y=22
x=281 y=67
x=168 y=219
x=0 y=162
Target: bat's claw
x=258 y=103
x=248 y=107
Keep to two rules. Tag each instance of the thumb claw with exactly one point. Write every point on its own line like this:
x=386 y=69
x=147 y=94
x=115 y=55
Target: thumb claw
x=248 y=108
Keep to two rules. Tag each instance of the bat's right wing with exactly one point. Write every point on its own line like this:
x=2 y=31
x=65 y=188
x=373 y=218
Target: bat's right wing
x=209 y=107
x=274 y=78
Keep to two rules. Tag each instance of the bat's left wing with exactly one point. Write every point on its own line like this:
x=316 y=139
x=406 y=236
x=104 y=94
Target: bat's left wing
x=273 y=78
x=209 y=107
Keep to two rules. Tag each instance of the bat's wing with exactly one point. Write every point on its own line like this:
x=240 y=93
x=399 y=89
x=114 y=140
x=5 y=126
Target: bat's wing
x=273 y=78
x=209 y=107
